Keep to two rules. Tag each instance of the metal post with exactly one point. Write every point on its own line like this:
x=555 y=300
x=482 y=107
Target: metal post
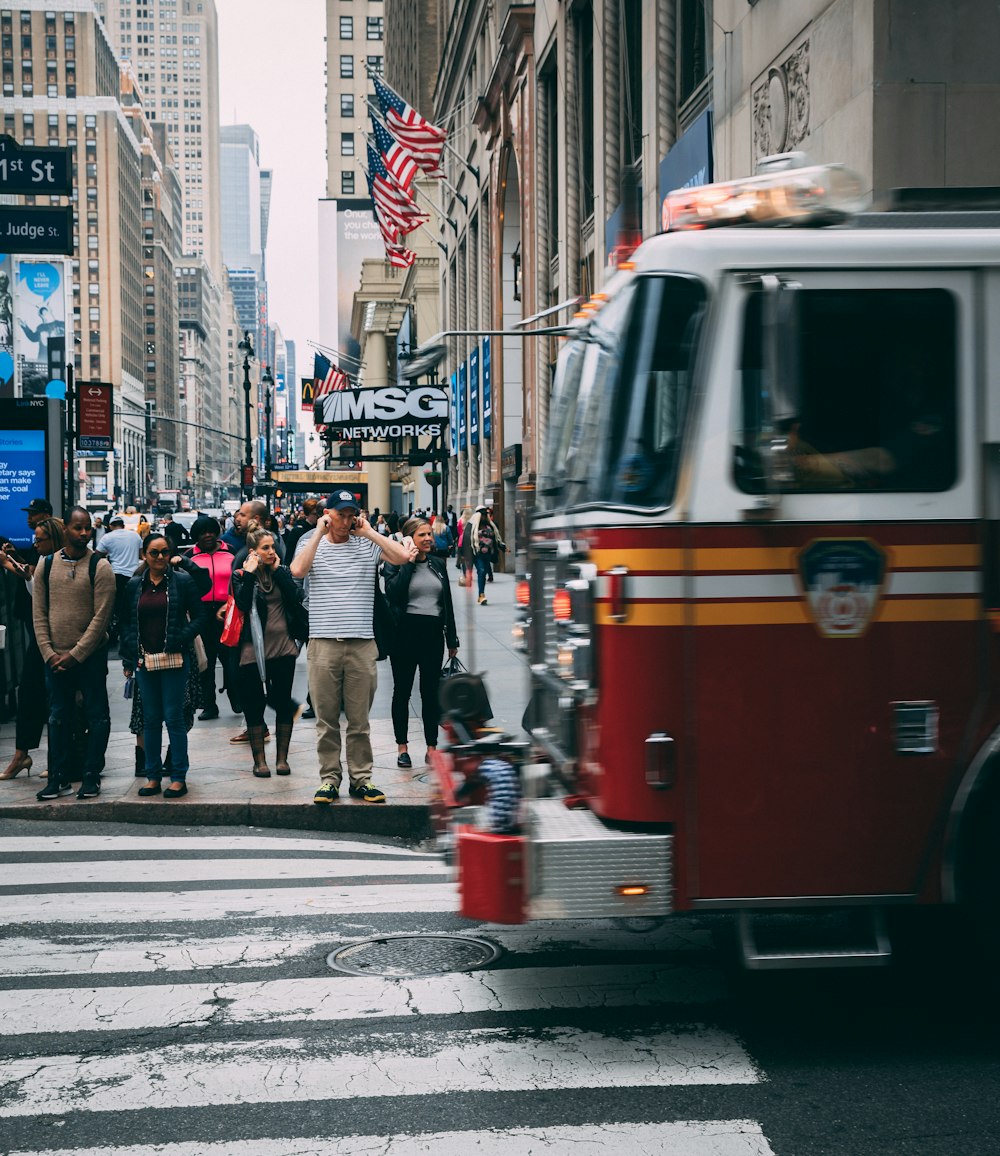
x=246 y=345
x=267 y=381
x=71 y=437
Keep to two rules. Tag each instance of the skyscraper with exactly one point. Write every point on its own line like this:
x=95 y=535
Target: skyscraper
x=246 y=197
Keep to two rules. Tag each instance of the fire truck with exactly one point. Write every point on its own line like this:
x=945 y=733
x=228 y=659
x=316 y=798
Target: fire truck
x=759 y=586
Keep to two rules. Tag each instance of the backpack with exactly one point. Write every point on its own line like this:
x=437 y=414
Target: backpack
x=487 y=541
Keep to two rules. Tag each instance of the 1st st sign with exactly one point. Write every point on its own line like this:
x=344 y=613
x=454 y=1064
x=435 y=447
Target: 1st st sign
x=34 y=170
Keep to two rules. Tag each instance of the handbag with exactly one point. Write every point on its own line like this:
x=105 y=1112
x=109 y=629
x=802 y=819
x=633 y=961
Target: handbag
x=165 y=660
x=232 y=623
x=200 y=656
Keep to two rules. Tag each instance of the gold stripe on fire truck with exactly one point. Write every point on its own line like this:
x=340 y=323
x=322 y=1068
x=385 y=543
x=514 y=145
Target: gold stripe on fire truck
x=774 y=612
x=772 y=558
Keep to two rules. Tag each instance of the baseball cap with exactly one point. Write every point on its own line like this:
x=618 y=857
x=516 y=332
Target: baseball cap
x=342 y=500
x=38 y=506
x=118 y=520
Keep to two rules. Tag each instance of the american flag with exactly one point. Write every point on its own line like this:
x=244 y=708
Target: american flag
x=424 y=140
x=397 y=254
x=327 y=376
x=396 y=206
x=397 y=159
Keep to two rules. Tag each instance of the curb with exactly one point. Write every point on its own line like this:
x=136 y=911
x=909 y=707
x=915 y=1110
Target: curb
x=405 y=821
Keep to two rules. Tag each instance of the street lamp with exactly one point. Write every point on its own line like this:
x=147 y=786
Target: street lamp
x=246 y=348
x=267 y=381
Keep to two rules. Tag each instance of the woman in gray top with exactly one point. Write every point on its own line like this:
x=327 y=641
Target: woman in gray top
x=420 y=595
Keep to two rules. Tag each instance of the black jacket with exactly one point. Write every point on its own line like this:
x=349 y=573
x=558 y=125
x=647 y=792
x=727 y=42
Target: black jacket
x=187 y=615
x=397 y=589
x=244 y=587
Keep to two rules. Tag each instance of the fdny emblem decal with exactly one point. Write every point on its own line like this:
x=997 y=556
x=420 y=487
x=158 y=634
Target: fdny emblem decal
x=842 y=580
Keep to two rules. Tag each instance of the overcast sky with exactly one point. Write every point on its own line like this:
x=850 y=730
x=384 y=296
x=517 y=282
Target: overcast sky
x=271 y=59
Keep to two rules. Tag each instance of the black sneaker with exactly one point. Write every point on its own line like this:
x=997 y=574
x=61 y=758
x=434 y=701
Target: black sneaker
x=209 y=713
x=326 y=793
x=404 y=760
x=367 y=793
x=53 y=790
x=90 y=788
x=308 y=713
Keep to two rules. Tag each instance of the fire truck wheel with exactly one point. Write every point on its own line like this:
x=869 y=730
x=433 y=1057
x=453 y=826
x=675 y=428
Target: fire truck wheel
x=978 y=866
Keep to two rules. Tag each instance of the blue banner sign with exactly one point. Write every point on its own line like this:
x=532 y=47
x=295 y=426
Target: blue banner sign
x=453 y=424
x=474 y=397
x=487 y=394
x=462 y=408
x=22 y=468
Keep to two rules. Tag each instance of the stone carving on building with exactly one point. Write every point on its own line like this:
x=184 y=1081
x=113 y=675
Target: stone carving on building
x=781 y=105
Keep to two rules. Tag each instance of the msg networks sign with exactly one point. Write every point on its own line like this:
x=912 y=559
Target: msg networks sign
x=384 y=414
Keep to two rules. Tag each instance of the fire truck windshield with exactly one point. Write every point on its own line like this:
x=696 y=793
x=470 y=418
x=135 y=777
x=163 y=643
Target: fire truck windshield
x=620 y=399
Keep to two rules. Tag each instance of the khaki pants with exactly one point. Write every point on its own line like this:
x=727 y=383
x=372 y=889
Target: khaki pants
x=343 y=674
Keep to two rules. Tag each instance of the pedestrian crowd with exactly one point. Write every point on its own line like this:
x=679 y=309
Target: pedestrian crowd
x=243 y=599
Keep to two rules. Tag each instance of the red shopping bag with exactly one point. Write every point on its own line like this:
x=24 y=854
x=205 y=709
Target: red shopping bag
x=232 y=623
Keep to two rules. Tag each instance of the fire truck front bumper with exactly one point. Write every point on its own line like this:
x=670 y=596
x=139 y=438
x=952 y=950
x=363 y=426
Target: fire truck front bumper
x=566 y=864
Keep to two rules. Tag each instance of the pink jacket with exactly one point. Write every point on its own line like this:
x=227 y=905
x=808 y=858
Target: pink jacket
x=220 y=565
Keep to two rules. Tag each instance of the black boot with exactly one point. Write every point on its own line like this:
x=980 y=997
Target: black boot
x=283 y=738
x=255 y=736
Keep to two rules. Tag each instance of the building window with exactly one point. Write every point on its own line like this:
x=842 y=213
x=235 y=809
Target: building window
x=347 y=144
x=694 y=37
x=375 y=64
x=347 y=182
x=347 y=28
x=346 y=67
x=373 y=28
x=347 y=104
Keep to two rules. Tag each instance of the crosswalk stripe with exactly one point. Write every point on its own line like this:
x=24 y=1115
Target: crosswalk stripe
x=30 y=844
x=184 y=906
x=436 y=1063
x=199 y=870
x=670 y=1138
x=91 y=956
x=35 y=1010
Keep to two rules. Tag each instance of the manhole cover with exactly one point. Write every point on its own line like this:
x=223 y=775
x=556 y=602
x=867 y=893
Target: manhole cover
x=410 y=955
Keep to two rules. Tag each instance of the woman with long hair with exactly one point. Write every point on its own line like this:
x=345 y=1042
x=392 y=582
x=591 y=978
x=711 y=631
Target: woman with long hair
x=164 y=615
x=32 y=699
x=265 y=587
x=421 y=597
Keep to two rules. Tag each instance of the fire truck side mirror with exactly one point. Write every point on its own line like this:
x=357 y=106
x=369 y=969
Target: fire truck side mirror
x=782 y=337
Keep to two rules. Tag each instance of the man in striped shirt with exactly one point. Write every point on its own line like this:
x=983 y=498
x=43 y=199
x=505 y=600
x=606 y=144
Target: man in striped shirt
x=340 y=559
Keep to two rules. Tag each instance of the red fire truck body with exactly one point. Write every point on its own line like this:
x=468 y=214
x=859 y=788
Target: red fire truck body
x=760 y=569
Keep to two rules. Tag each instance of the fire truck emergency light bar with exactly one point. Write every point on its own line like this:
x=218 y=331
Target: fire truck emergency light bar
x=820 y=193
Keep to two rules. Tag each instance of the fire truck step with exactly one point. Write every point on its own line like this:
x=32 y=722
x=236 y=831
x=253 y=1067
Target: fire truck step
x=875 y=950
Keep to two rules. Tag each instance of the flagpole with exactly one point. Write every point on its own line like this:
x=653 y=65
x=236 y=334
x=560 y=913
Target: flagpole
x=457 y=155
x=440 y=212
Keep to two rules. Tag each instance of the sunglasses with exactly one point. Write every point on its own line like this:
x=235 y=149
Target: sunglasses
x=157 y=553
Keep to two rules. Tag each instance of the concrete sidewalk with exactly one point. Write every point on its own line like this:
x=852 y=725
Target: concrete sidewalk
x=223 y=791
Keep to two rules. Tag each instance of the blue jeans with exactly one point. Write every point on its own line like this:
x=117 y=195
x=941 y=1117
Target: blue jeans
x=90 y=677
x=482 y=569
x=163 y=703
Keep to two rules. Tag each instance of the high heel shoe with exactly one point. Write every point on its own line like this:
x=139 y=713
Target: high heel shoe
x=16 y=767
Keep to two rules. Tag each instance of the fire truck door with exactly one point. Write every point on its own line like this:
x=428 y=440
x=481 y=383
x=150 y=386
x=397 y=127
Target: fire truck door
x=836 y=607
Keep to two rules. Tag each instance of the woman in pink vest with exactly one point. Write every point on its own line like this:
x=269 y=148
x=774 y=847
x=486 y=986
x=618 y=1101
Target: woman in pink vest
x=217 y=558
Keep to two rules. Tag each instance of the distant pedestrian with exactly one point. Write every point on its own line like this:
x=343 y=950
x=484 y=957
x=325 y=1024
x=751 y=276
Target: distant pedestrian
x=264 y=587
x=175 y=533
x=305 y=523
x=341 y=560
x=420 y=595
x=32 y=697
x=73 y=599
x=122 y=548
x=478 y=545
x=164 y=613
x=444 y=543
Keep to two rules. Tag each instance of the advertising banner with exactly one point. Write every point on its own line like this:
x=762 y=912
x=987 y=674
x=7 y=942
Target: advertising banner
x=487 y=391
x=474 y=396
x=22 y=464
x=6 y=325
x=384 y=414
x=40 y=314
x=308 y=393
x=462 y=408
x=453 y=414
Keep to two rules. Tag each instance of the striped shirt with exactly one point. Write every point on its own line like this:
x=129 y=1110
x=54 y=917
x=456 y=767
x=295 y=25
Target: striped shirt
x=342 y=588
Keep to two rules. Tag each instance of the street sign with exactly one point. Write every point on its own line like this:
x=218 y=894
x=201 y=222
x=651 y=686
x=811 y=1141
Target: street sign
x=94 y=420
x=29 y=229
x=284 y=466
x=48 y=171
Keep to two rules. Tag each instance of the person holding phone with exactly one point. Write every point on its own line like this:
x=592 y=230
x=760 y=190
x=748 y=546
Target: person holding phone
x=341 y=559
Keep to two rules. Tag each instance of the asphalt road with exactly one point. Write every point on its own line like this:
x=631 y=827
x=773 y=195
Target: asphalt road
x=167 y=989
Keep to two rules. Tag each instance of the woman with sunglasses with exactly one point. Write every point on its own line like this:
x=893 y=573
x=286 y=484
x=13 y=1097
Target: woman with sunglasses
x=164 y=613
x=32 y=699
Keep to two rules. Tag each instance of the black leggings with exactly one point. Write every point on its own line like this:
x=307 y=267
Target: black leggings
x=280 y=672
x=420 y=643
x=32 y=697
